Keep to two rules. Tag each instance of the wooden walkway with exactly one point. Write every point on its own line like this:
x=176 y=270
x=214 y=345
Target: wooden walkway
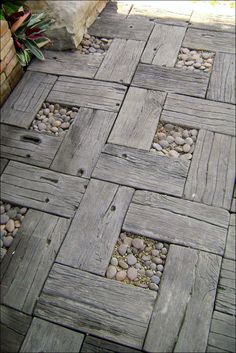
x=103 y=177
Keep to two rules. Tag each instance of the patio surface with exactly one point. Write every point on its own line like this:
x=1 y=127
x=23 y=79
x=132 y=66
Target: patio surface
x=107 y=171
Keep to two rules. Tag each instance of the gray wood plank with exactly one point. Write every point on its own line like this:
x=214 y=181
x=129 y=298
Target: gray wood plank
x=209 y=40
x=163 y=45
x=15 y=320
x=200 y=114
x=116 y=10
x=43 y=336
x=28 y=146
x=115 y=27
x=176 y=221
x=138 y=118
x=185 y=304
x=69 y=63
x=10 y=340
x=96 y=227
x=212 y=172
x=121 y=61
x=232 y=221
x=80 y=149
x=23 y=275
x=97 y=345
x=230 y=244
x=95 y=305
x=222 y=333
x=3 y=164
x=26 y=99
x=213 y=21
x=141 y=169
x=87 y=93
x=42 y=189
x=222 y=82
x=225 y=299
x=171 y=80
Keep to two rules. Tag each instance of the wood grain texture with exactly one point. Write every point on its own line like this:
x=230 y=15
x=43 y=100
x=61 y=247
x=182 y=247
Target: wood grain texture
x=185 y=304
x=95 y=305
x=43 y=336
x=230 y=243
x=26 y=99
x=96 y=227
x=212 y=172
x=121 y=61
x=28 y=146
x=138 y=118
x=97 y=345
x=200 y=114
x=176 y=221
x=222 y=333
x=209 y=40
x=3 y=164
x=70 y=63
x=171 y=80
x=222 y=82
x=225 y=299
x=83 y=143
x=42 y=189
x=163 y=45
x=73 y=91
x=10 y=340
x=141 y=170
x=34 y=250
x=115 y=27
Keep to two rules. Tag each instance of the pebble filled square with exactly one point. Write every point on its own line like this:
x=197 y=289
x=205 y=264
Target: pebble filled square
x=138 y=260
x=195 y=60
x=11 y=218
x=174 y=141
x=54 y=119
x=93 y=45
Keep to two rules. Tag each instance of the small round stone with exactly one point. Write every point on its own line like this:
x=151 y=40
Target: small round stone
x=17 y=224
x=170 y=139
x=23 y=210
x=41 y=126
x=111 y=272
x=7 y=207
x=2 y=209
x=159 y=246
x=197 y=65
x=138 y=266
x=51 y=108
x=122 y=249
x=62 y=111
x=3 y=252
x=65 y=125
x=185 y=134
x=123 y=264
x=173 y=154
x=155 y=252
x=122 y=236
x=157 y=260
x=187 y=156
x=131 y=259
x=179 y=140
x=169 y=127
x=7 y=241
x=12 y=213
x=157 y=146
x=189 y=63
x=186 y=148
x=164 y=143
x=160 y=268
x=153 y=266
x=205 y=56
x=54 y=129
x=164 y=251
x=149 y=273
x=137 y=243
x=46 y=111
x=189 y=141
x=121 y=275
x=10 y=226
x=114 y=261
x=153 y=286
x=155 y=279
x=132 y=273
x=127 y=241
x=146 y=257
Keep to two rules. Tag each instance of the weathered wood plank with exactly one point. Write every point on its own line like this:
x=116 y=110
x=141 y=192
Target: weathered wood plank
x=71 y=63
x=117 y=9
x=185 y=303
x=213 y=21
x=121 y=61
x=96 y=227
x=87 y=93
x=138 y=119
x=200 y=114
x=177 y=221
x=212 y=172
x=222 y=82
x=115 y=27
x=43 y=336
x=10 y=340
x=230 y=244
x=26 y=99
x=225 y=299
x=209 y=40
x=171 y=80
x=97 y=345
x=42 y=189
x=141 y=170
x=95 y=305
x=28 y=146
x=222 y=333
x=81 y=147
x=23 y=275
x=163 y=45
x=3 y=164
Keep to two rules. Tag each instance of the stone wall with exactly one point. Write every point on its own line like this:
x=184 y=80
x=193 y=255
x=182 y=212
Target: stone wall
x=11 y=70
x=72 y=18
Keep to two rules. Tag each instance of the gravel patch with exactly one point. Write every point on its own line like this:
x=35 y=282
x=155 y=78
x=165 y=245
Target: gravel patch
x=94 y=45
x=195 y=60
x=138 y=260
x=174 y=141
x=53 y=119
x=11 y=218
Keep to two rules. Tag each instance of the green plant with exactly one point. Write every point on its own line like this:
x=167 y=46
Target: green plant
x=28 y=30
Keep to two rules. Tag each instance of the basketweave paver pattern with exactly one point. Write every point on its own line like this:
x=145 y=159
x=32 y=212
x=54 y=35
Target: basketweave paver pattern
x=100 y=178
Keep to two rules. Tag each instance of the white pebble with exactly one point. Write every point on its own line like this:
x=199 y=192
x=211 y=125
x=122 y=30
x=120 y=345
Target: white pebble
x=173 y=154
x=186 y=148
x=157 y=146
x=111 y=272
x=179 y=140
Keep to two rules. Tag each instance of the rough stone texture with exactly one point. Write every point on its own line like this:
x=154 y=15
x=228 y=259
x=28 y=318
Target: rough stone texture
x=72 y=18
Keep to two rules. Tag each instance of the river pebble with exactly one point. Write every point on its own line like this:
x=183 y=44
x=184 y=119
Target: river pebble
x=94 y=45
x=195 y=60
